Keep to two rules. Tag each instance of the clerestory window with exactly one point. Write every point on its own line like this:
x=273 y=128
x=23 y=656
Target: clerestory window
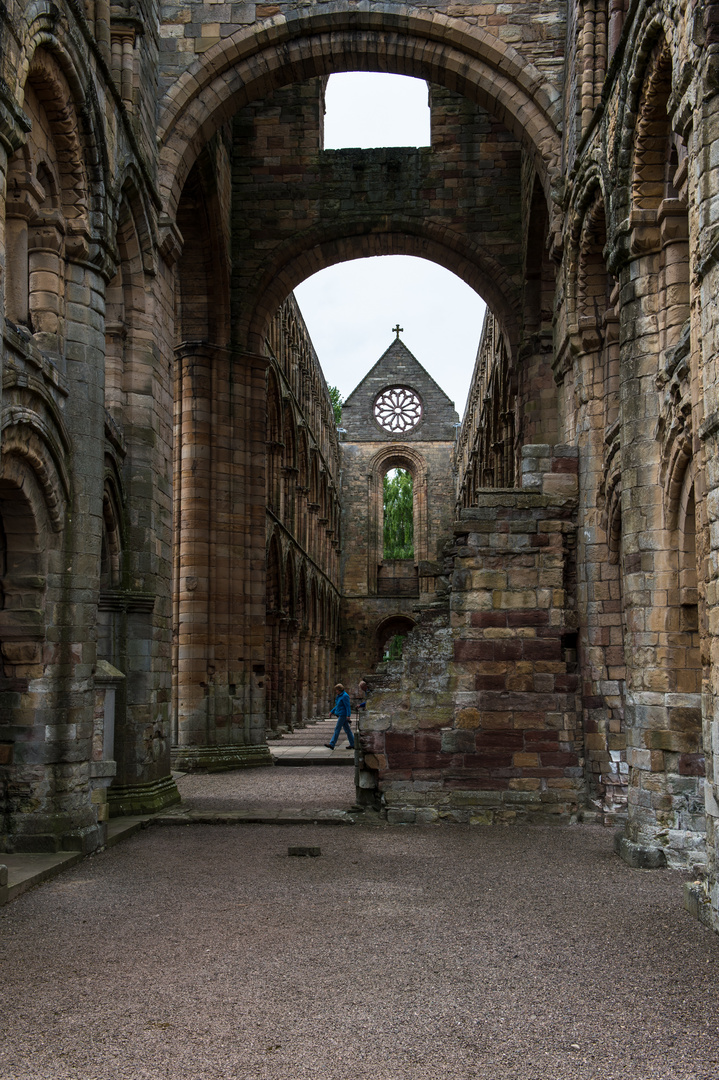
x=367 y=110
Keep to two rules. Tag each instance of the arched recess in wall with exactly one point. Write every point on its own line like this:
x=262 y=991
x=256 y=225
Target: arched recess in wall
x=111 y=559
x=273 y=619
x=532 y=383
x=202 y=295
x=395 y=456
x=313 y=504
x=34 y=494
x=110 y=619
x=659 y=203
x=47 y=211
x=390 y=634
x=303 y=634
x=275 y=444
x=282 y=629
x=125 y=298
x=686 y=601
x=24 y=569
x=303 y=489
x=289 y=470
x=304 y=45
x=591 y=404
x=201 y=341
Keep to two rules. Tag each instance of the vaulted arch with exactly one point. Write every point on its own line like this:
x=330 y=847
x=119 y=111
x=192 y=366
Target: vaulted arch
x=296 y=47
x=304 y=254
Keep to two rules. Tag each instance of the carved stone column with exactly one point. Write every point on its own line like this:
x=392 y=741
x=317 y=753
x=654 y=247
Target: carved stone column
x=220 y=547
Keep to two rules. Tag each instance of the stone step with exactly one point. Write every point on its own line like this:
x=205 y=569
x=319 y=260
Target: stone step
x=269 y=816
x=311 y=755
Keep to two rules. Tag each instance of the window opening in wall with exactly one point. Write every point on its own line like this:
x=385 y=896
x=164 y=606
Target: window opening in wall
x=368 y=110
x=393 y=648
x=398 y=506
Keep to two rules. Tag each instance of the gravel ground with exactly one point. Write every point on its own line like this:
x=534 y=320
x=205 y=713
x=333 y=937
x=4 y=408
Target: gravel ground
x=320 y=787
x=452 y=952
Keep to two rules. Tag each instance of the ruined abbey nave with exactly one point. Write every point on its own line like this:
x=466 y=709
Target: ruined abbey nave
x=192 y=548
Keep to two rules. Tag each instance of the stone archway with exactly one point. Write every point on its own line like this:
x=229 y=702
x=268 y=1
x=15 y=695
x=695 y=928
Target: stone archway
x=394 y=626
x=299 y=46
x=215 y=160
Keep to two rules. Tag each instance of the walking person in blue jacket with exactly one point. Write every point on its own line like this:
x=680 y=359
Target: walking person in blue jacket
x=343 y=711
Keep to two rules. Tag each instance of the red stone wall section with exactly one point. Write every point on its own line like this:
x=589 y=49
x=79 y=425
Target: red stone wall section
x=493 y=732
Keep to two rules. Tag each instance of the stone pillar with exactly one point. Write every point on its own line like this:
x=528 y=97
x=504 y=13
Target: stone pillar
x=600 y=646
x=221 y=551
x=537 y=397
x=272 y=669
x=663 y=701
x=283 y=702
x=66 y=815
x=325 y=696
x=294 y=676
x=141 y=604
x=706 y=268
x=314 y=676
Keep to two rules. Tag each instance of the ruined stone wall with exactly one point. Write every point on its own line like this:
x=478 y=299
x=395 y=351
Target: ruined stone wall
x=381 y=596
x=303 y=529
x=485 y=452
x=84 y=496
x=628 y=361
x=485 y=724
x=189 y=30
x=577 y=142
x=299 y=207
x=371 y=613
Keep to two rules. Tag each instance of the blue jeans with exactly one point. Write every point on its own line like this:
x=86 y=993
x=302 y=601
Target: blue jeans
x=343 y=722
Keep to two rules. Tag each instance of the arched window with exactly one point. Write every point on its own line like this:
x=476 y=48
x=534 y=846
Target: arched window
x=391 y=633
x=398 y=514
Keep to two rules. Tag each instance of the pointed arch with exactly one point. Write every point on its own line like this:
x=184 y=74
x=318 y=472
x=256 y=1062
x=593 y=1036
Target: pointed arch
x=303 y=601
x=274 y=576
x=289 y=603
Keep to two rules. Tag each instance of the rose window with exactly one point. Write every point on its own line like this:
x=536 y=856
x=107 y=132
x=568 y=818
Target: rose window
x=398 y=410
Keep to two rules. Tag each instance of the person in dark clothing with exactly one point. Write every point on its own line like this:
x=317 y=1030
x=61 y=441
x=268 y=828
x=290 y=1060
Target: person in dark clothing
x=362 y=696
x=343 y=711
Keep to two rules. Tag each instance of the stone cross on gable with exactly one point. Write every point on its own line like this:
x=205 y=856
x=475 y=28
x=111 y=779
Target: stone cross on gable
x=398 y=330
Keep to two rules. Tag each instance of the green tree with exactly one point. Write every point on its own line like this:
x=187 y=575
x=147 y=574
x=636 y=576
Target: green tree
x=393 y=648
x=398 y=515
x=337 y=403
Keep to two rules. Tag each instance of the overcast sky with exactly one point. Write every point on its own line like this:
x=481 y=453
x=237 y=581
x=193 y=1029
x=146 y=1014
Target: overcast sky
x=350 y=308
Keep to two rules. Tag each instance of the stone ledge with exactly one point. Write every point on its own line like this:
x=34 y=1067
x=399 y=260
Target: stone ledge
x=311 y=755
x=512 y=498
x=219 y=758
x=183 y=816
x=26 y=869
x=133 y=799
x=697 y=902
x=638 y=856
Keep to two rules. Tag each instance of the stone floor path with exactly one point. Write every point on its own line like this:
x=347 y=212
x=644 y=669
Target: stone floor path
x=401 y=953
x=315 y=734
x=308 y=746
